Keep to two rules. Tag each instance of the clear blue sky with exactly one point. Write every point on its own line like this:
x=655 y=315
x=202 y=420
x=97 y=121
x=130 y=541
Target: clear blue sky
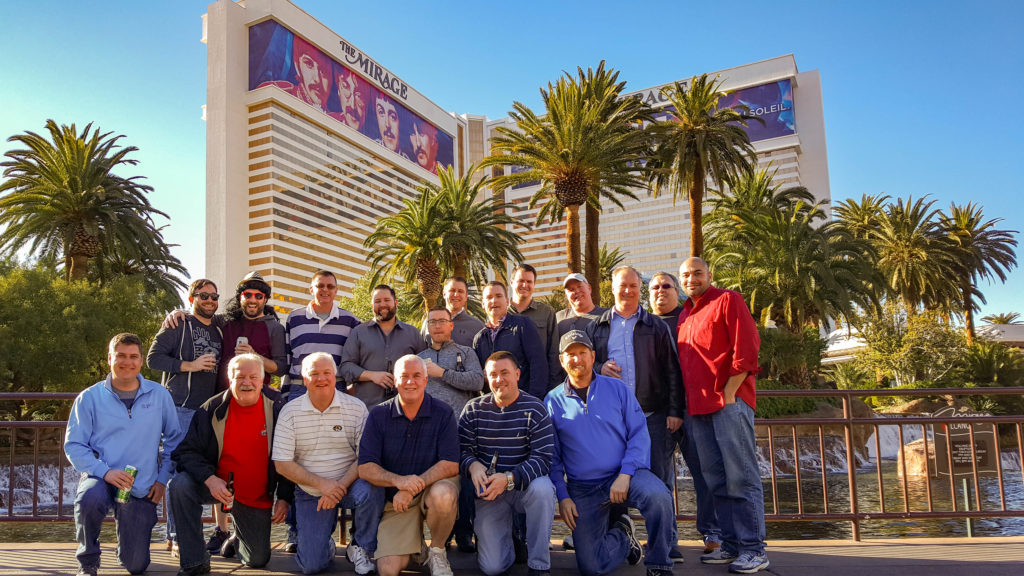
x=919 y=98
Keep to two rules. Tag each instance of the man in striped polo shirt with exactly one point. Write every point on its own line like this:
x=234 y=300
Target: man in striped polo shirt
x=322 y=326
x=317 y=446
x=507 y=441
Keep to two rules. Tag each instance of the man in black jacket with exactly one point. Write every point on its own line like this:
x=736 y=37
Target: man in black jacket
x=516 y=334
x=226 y=458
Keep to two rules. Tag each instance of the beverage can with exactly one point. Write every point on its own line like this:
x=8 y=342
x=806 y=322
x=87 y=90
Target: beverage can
x=123 y=495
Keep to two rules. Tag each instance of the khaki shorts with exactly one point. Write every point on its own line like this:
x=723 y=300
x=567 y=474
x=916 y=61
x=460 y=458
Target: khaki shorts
x=402 y=533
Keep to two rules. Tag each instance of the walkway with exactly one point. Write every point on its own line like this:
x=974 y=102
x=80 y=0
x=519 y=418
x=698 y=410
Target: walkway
x=907 y=557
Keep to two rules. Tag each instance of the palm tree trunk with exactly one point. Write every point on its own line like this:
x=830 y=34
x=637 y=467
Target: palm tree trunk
x=572 y=239
x=79 y=268
x=593 y=252
x=968 y=312
x=459 y=268
x=695 y=195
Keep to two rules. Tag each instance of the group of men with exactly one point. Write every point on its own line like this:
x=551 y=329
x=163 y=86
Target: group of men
x=584 y=412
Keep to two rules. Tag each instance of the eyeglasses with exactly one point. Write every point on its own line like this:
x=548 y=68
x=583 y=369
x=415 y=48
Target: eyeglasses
x=253 y=295
x=208 y=296
x=440 y=322
x=665 y=286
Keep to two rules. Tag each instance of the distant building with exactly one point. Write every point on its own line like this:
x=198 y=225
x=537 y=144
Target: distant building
x=310 y=141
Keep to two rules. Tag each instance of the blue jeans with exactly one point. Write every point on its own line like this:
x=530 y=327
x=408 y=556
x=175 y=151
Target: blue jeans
x=707 y=520
x=728 y=460
x=315 y=527
x=495 y=552
x=600 y=549
x=184 y=420
x=135 y=521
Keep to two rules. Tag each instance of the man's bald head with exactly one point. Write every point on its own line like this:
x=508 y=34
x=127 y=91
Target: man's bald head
x=694 y=276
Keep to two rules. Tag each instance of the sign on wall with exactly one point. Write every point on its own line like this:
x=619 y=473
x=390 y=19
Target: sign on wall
x=278 y=57
x=954 y=441
x=772 y=103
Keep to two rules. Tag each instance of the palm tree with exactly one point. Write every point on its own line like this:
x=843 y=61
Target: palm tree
x=700 y=141
x=981 y=251
x=915 y=258
x=586 y=145
x=863 y=217
x=1003 y=318
x=751 y=192
x=408 y=245
x=608 y=260
x=62 y=198
x=479 y=234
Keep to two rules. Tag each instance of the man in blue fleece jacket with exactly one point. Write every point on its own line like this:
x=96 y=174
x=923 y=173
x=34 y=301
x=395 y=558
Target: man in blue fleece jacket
x=115 y=423
x=602 y=457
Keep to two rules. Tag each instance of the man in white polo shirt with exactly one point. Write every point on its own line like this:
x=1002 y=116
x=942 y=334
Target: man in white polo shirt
x=316 y=445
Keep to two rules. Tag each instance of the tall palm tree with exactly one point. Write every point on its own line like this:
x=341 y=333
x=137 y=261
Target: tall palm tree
x=862 y=217
x=915 y=258
x=408 y=246
x=62 y=198
x=608 y=260
x=479 y=234
x=1003 y=318
x=753 y=192
x=980 y=252
x=586 y=144
x=700 y=141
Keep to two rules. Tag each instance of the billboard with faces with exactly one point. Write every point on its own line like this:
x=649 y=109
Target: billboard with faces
x=278 y=57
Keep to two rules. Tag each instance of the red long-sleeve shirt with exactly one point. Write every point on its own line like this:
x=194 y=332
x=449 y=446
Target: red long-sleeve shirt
x=717 y=339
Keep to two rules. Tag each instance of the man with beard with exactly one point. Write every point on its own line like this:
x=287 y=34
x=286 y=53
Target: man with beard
x=312 y=75
x=602 y=461
x=464 y=325
x=373 y=347
x=581 y=311
x=718 y=347
x=424 y=144
x=351 y=97
x=231 y=439
x=388 y=123
x=252 y=327
x=188 y=357
x=515 y=333
x=664 y=296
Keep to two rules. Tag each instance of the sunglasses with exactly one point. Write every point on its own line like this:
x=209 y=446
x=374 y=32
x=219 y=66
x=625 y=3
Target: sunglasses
x=253 y=295
x=208 y=296
x=665 y=286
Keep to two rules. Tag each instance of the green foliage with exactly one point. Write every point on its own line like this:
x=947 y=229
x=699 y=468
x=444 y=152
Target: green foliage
x=556 y=299
x=989 y=363
x=782 y=407
x=55 y=333
x=790 y=357
x=1002 y=318
x=906 y=348
x=849 y=376
x=410 y=305
x=61 y=198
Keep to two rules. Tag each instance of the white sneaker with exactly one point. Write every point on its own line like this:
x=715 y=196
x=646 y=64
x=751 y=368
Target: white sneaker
x=437 y=561
x=360 y=560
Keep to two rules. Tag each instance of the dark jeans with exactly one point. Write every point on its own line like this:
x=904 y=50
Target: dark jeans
x=135 y=521
x=467 y=510
x=184 y=420
x=251 y=525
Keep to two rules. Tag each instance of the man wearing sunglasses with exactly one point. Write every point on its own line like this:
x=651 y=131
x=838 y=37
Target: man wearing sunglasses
x=188 y=355
x=252 y=327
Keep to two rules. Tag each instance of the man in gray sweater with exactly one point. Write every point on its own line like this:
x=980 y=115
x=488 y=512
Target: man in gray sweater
x=455 y=377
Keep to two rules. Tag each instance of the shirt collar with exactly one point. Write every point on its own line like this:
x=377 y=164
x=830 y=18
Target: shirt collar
x=424 y=411
x=335 y=311
x=307 y=404
x=633 y=315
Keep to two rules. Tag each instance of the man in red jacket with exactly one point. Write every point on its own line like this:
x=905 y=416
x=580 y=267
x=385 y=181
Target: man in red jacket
x=718 y=345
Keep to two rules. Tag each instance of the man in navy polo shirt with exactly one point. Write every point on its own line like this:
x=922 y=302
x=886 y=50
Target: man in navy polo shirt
x=410 y=446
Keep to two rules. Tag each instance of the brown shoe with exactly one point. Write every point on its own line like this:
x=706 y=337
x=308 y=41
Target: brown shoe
x=711 y=545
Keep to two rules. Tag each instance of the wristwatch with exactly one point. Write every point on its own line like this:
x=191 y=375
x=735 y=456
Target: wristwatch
x=511 y=485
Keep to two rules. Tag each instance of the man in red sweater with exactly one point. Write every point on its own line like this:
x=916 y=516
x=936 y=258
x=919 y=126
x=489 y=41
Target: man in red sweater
x=718 y=345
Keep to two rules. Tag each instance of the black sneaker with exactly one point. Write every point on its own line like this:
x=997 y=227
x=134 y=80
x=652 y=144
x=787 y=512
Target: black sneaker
x=658 y=572
x=291 y=547
x=636 y=551
x=464 y=542
x=230 y=547
x=675 y=555
x=216 y=540
x=197 y=570
x=87 y=571
x=519 y=546
x=536 y=572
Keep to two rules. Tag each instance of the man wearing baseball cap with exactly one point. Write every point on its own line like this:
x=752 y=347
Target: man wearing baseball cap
x=603 y=456
x=582 y=310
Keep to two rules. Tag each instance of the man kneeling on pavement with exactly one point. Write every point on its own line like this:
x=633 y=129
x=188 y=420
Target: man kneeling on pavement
x=230 y=437
x=603 y=457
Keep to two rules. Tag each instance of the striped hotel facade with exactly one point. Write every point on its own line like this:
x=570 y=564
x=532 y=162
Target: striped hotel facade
x=291 y=189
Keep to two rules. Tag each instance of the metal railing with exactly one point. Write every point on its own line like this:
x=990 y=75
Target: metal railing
x=816 y=507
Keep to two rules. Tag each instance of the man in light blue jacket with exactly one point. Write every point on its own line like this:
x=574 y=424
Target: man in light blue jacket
x=115 y=423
